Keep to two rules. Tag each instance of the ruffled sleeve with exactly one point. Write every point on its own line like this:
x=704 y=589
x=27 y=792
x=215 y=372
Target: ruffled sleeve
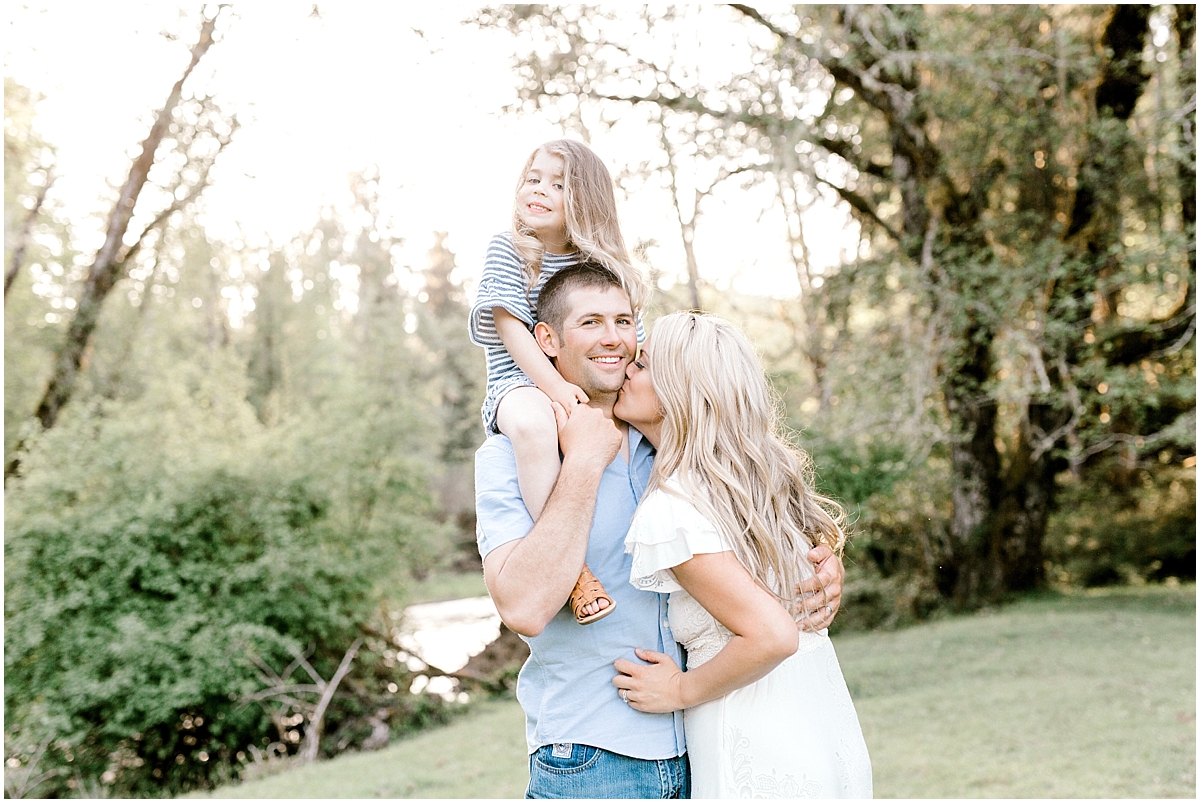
x=666 y=531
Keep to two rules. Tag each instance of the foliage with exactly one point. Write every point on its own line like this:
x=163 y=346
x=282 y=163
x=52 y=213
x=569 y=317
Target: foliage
x=149 y=549
x=234 y=481
x=36 y=303
x=1022 y=298
x=155 y=547
x=1146 y=534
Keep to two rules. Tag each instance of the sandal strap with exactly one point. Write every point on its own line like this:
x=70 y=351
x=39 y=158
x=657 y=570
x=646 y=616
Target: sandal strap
x=587 y=589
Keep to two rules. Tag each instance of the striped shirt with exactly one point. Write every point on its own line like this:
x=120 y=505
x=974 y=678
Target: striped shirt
x=503 y=284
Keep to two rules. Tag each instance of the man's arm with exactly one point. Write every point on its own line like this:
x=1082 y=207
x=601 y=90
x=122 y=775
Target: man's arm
x=531 y=578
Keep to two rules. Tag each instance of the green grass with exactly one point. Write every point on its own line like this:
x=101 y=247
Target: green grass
x=442 y=586
x=1089 y=695
x=1081 y=695
x=481 y=755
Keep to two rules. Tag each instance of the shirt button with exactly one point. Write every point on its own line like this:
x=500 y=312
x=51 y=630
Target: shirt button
x=666 y=623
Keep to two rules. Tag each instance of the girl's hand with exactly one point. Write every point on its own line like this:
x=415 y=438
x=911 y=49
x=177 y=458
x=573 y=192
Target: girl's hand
x=567 y=395
x=655 y=687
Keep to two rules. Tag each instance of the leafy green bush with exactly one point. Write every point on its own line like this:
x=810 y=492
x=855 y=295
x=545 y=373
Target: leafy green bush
x=897 y=518
x=153 y=550
x=1142 y=529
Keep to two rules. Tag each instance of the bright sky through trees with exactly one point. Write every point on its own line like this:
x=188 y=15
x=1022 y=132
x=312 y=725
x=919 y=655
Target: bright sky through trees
x=406 y=87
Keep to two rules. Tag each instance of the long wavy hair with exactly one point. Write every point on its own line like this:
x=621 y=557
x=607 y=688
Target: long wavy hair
x=722 y=441
x=590 y=211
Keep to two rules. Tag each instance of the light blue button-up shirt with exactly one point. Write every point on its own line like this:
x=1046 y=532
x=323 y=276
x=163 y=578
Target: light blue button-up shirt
x=565 y=687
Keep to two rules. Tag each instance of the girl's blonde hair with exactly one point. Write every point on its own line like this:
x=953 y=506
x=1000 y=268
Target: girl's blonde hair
x=590 y=211
x=722 y=442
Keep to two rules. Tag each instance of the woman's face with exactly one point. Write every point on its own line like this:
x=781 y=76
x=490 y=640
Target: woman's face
x=636 y=404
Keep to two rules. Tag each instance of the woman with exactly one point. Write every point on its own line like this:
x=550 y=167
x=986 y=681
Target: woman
x=725 y=526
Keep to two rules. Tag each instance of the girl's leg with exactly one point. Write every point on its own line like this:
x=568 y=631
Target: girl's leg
x=526 y=417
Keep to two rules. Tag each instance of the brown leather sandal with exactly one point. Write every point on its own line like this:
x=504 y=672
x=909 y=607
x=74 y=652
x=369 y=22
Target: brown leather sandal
x=589 y=589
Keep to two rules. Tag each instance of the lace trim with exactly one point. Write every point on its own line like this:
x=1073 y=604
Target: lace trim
x=662 y=581
x=751 y=784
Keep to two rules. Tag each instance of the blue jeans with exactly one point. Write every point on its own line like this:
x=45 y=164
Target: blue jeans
x=589 y=772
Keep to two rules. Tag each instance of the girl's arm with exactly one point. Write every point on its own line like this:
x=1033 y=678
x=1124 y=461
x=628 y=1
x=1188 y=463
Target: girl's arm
x=764 y=635
x=533 y=361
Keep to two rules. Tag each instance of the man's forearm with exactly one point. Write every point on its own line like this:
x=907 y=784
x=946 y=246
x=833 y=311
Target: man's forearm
x=531 y=581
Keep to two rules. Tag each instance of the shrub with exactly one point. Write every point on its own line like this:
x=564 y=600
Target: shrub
x=1144 y=530
x=153 y=549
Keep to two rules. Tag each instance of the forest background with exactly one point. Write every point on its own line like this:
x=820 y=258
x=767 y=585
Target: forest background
x=963 y=239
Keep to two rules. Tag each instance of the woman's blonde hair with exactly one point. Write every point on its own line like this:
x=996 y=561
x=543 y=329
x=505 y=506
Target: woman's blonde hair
x=721 y=440
x=590 y=211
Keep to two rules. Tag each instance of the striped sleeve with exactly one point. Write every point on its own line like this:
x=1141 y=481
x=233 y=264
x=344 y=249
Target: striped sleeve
x=501 y=285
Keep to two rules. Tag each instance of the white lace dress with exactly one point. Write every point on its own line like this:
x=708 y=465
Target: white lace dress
x=793 y=733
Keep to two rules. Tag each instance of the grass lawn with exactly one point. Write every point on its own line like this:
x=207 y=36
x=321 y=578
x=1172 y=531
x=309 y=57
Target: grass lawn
x=480 y=755
x=1081 y=695
x=442 y=586
x=1089 y=695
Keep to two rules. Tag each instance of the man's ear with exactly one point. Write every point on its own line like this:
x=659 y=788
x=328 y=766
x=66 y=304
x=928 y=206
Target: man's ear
x=546 y=338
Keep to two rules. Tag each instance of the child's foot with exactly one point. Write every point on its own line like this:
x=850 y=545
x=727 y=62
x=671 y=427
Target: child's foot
x=589 y=601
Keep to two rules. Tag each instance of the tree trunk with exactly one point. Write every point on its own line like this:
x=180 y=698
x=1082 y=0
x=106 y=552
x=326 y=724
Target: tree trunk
x=109 y=265
x=18 y=257
x=1029 y=483
x=1185 y=29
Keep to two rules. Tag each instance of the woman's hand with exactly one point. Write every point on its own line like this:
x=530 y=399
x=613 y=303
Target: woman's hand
x=820 y=597
x=655 y=687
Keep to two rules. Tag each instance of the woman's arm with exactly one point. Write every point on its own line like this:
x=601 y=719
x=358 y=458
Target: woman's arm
x=530 y=358
x=764 y=634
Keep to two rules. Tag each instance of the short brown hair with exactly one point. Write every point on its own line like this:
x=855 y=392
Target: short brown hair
x=552 y=301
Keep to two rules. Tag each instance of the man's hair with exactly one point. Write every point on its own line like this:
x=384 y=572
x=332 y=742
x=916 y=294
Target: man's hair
x=552 y=301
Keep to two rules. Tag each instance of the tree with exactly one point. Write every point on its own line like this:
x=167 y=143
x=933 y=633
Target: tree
x=198 y=145
x=28 y=174
x=41 y=261
x=456 y=367
x=991 y=155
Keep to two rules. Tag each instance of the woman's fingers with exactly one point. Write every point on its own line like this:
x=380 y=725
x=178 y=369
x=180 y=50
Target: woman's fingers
x=625 y=667
x=650 y=656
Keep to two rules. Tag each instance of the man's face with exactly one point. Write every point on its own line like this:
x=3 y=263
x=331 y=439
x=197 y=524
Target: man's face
x=597 y=341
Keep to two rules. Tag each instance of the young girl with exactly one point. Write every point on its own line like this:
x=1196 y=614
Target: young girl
x=564 y=213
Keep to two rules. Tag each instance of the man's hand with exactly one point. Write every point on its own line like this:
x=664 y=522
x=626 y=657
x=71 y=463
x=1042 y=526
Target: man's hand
x=585 y=433
x=820 y=597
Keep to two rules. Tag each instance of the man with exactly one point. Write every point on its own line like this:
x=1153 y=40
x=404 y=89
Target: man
x=584 y=741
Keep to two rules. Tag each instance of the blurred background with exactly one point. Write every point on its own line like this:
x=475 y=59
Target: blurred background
x=241 y=405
